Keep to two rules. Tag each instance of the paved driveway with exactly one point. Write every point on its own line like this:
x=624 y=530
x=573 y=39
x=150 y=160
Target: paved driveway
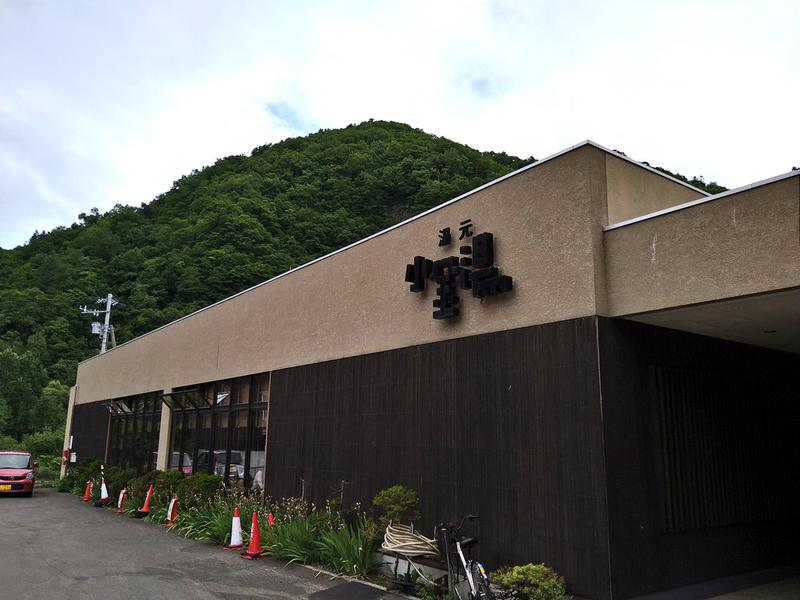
x=55 y=546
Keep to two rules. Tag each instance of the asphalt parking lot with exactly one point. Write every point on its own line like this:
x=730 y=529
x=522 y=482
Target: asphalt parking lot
x=55 y=546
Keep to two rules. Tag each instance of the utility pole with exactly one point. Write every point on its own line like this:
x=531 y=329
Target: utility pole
x=106 y=328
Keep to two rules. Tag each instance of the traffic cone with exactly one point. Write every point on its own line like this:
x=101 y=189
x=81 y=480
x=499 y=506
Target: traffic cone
x=236 y=531
x=87 y=495
x=145 y=510
x=172 y=512
x=104 y=498
x=270 y=520
x=254 y=549
x=123 y=495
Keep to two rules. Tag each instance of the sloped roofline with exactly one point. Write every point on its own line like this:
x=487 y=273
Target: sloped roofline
x=691 y=203
x=409 y=220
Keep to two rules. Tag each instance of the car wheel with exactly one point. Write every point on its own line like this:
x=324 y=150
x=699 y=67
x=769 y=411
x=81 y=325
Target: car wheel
x=28 y=494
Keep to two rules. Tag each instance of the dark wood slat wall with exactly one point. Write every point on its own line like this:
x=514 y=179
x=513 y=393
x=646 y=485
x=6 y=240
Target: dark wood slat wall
x=701 y=454
x=90 y=430
x=506 y=425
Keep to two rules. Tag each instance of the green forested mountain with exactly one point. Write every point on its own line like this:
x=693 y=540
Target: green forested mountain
x=217 y=231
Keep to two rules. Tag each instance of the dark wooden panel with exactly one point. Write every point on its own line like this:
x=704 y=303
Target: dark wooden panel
x=700 y=454
x=90 y=430
x=506 y=425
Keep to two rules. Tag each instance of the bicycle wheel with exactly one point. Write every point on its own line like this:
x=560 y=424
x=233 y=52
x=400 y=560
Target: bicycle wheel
x=483 y=590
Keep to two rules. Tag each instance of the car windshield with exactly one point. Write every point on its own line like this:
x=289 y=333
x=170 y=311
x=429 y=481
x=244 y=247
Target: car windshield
x=15 y=461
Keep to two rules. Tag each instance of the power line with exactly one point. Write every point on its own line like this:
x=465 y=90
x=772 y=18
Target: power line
x=103 y=329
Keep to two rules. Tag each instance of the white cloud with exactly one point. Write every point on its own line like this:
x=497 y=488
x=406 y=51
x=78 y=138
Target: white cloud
x=105 y=103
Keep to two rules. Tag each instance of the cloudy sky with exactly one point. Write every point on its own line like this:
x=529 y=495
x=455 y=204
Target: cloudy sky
x=108 y=102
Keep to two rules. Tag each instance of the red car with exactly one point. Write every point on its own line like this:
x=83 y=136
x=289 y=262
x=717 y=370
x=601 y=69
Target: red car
x=16 y=473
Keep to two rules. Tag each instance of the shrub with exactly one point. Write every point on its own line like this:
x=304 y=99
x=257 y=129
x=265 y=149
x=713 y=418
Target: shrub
x=531 y=582
x=211 y=523
x=158 y=514
x=44 y=442
x=77 y=476
x=348 y=551
x=65 y=485
x=117 y=478
x=397 y=503
x=49 y=461
x=138 y=486
x=198 y=489
x=292 y=540
x=9 y=443
x=46 y=474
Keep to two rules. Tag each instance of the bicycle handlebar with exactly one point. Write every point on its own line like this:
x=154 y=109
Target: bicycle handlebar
x=452 y=526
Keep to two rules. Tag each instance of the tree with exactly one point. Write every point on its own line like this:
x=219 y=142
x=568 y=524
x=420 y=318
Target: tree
x=49 y=410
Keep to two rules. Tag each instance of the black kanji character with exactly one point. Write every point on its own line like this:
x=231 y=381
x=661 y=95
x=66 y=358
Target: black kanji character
x=465 y=229
x=418 y=272
x=445 y=271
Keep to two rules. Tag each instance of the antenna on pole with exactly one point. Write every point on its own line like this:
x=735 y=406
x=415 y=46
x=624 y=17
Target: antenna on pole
x=102 y=329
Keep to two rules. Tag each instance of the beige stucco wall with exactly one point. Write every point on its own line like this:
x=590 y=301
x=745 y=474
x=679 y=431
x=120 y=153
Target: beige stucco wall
x=547 y=222
x=743 y=243
x=634 y=191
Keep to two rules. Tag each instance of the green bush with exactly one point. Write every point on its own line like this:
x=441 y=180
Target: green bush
x=77 y=475
x=199 y=489
x=349 y=552
x=531 y=582
x=49 y=461
x=9 y=443
x=44 y=442
x=211 y=523
x=292 y=540
x=65 y=485
x=138 y=486
x=117 y=478
x=396 y=503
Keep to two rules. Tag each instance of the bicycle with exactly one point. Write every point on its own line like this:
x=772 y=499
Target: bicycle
x=460 y=568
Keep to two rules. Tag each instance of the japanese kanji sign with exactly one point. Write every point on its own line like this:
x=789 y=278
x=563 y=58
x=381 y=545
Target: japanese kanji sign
x=473 y=270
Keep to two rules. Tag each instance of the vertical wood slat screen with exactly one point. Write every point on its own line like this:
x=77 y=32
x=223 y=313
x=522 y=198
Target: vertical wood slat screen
x=717 y=467
x=89 y=430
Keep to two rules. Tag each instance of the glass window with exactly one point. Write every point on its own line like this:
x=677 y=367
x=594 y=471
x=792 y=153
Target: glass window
x=222 y=396
x=258 y=441
x=175 y=443
x=241 y=391
x=238 y=443
x=189 y=441
x=204 y=431
x=261 y=388
x=220 y=456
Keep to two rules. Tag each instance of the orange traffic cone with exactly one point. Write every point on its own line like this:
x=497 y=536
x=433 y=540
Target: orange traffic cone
x=87 y=495
x=270 y=520
x=236 y=531
x=172 y=512
x=123 y=496
x=254 y=549
x=145 y=510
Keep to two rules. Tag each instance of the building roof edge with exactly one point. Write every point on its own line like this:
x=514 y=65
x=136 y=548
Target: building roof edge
x=397 y=225
x=692 y=203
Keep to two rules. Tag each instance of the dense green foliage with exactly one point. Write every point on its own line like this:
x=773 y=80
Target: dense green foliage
x=397 y=504
x=531 y=582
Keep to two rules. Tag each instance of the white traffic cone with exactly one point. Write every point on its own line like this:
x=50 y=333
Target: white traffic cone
x=104 y=498
x=236 y=531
